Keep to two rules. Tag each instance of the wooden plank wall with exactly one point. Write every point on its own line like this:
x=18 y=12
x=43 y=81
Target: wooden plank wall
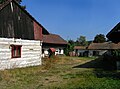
x=23 y=24
x=37 y=32
x=15 y=23
x=30 y=53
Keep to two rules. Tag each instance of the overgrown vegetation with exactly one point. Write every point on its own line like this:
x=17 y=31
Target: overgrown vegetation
x=116 y=54
x=99 y=38
x=60 y=73
x=81 y=41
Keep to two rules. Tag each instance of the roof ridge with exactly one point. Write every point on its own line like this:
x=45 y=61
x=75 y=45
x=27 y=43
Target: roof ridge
x=4 y=3
x=8 y=2
x=54 y=38
x=53 y=34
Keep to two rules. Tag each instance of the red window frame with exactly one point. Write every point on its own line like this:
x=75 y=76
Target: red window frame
x=16 y=51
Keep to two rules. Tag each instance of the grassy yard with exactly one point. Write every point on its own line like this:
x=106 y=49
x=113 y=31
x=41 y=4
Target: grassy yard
x=61 y=73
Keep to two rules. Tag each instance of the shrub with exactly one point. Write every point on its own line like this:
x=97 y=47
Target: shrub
x=116 y=54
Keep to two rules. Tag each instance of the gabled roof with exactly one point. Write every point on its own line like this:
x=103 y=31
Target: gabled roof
x=103 y=46
x=80 y=47
x=7 y=2
x=53 y=39
x=114 y=34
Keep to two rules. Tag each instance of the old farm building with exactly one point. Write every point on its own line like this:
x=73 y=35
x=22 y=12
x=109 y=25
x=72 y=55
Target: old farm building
x=95 y=49
x=20 y=37
x=114 y=36
x=55 y=42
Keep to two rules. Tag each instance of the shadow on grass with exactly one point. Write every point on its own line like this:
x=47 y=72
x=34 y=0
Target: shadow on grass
x=102 y=68
x=98 y=63
x=90 y=64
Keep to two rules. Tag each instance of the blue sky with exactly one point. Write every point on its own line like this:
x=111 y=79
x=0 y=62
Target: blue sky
x=73 y=18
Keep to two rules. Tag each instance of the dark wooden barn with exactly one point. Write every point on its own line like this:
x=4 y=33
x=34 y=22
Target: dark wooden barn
x=20 y=37
x=114 y=34
x=15 y=22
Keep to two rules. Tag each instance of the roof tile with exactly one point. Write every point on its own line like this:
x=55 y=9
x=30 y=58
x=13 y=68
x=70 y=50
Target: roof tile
x=54 y=39
x=104 y=46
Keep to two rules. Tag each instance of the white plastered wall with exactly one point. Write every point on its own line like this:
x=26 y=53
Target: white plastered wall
x=30 y=53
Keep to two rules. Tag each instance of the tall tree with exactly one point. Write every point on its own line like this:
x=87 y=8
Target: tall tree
x=81 y=41
x=99 y=38
x=70 y=47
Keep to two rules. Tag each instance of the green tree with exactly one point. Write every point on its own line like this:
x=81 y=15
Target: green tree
x=81 y=41
x=70 y=47
x=99 y=38
x=89 y=42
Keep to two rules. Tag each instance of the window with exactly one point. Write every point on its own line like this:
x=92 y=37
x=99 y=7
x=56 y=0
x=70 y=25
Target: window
x=16 y=51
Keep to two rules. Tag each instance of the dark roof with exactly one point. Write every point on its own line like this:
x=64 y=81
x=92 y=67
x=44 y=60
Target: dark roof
x=104 y=46
x=53 y=39
x=114 y=34
x=80 y=47
x=2 y=6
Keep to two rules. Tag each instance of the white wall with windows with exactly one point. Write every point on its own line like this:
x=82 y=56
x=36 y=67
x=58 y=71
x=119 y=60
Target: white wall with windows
x=58 y=51
x=16 y=53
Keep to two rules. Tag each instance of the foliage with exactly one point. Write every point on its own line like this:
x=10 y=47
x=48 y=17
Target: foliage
x=59 y=74
x=116 y=53
x=81 y=41
x=113 y=55
x=1 y=1
x=99 y=38
x=70 y=47
x=71 y=42
x=89 y=42
x=24 y=7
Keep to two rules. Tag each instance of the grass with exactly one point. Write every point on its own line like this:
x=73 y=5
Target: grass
x=59 y=73
x=81 y=58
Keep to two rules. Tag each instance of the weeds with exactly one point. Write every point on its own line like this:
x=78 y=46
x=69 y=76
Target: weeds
x=58 y=73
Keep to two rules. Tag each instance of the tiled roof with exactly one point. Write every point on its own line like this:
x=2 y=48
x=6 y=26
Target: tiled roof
x=80 y=47
x=53 y=39
x=104 y=46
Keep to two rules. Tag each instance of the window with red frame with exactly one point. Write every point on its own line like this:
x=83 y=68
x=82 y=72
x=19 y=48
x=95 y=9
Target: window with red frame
x=16 y=51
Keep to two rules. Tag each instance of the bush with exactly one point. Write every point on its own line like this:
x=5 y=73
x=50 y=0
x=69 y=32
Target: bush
x=116 y=54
